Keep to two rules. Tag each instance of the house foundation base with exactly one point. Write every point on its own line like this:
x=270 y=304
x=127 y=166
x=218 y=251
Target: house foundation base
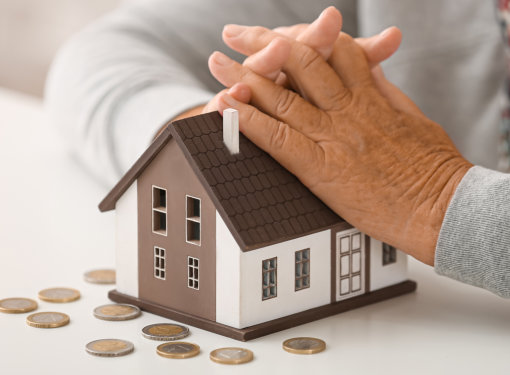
x=280 y=324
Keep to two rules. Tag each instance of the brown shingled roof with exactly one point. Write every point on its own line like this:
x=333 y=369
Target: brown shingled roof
x=259 y=200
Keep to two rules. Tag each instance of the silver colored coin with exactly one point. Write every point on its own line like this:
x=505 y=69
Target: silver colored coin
x=117 y=312
x=102 y=276
x=17 y=305
x=48 y=319
x=178 y=350
x=231 y=356
x=59 y=295
x=109 y=347
x=304 y=345
x=165 y=332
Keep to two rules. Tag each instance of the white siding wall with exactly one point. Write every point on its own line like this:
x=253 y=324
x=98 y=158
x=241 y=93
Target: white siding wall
x=381 y=276
x=126 y=241
x=254 y=310
x=228 y=260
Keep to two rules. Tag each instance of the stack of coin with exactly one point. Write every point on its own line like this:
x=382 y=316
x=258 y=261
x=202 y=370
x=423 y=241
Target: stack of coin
x=117 y=312
x=165 y=332
x=109 y=347
x=304 y=345
x=17 y=305
x=103 y=276
x=231 y=356
x=48 y=319
x=59 y=295
x=178 y=350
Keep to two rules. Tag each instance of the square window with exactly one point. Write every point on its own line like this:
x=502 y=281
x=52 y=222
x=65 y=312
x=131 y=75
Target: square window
x=356 y=241
x=159 y=263
x=344 y=244
x=193 y=273
x=192 y=207
x=193 y=231
x=269 y=278
x=302 y=266
x=158 y=198
x=159 y=222
x=193 y=220
x=344 y=286
x=389 y=254
x=159 y=203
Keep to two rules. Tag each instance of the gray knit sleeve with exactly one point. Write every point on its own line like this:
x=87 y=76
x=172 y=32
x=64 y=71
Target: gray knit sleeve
x=474 y=242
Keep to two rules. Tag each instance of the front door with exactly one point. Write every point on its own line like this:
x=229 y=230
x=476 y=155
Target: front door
x=350 y=264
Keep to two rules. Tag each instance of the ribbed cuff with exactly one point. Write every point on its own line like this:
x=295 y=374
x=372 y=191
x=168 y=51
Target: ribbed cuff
x=474 y=242
x=143 y=115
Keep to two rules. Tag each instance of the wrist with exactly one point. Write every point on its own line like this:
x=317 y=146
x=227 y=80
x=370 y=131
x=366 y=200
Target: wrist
x=428 y=218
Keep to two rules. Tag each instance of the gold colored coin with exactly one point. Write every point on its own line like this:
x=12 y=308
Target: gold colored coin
x=117 y=312
x=178 y=350
x=109 y=347
x=48 y=319
x=103 y=276
x=231 y=356
x=165 y=332
x=304 y=345
x=17 y=305
x=59 y=295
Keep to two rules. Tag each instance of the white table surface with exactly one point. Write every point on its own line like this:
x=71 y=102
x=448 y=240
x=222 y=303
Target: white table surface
x=51 y=232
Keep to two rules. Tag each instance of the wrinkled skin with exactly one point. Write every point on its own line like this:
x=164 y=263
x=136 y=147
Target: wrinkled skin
x=357 y=142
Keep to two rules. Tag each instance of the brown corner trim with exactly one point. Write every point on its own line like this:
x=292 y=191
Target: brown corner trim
x=272 y=326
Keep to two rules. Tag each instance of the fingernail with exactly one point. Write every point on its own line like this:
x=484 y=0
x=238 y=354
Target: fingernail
x=220 y=59
x=233 y=30
x=385 y=32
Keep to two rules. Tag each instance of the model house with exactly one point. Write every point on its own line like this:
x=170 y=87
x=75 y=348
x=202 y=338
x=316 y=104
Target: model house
x=213 y=232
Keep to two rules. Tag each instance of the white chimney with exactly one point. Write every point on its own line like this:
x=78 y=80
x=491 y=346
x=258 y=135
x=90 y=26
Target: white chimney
x=231 y=130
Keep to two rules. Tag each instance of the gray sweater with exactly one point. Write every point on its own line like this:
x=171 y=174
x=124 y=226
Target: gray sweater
x=116 y=83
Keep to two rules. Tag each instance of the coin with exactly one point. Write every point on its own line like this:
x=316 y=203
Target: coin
x=119 y=311
x=231 y=356
x=59 y=295
x=304 y=345
x=109 y=347
x=17 y=305
x=179 y=350
x=165 y=332
x=48 y=319
x=104 y=276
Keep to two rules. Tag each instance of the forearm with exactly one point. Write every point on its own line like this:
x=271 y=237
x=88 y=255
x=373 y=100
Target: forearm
x=474 y=241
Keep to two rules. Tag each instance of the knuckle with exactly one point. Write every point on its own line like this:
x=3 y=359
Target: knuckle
x=308 y=58
x=279 y=137
x=285 y=103
x=342 y=98
x=258 y=30
x=345 y=38
x=251 y=116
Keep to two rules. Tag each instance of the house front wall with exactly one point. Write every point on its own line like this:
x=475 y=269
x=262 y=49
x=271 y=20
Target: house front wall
x=171 y=171
x=385 y=275
x=254 y=309
x=126 y=242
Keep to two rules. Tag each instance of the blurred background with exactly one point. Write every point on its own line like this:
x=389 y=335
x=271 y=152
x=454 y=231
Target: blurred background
x=31 y=32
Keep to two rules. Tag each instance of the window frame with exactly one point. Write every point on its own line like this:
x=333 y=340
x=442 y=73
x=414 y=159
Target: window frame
x=159 y=255
x=389 y=254
x=159 y=211
x=195 y=280
x=193 y=219
x=269 y=270
x=301 y=263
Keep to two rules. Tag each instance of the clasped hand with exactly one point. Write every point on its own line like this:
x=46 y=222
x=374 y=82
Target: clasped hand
x=351 y=137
